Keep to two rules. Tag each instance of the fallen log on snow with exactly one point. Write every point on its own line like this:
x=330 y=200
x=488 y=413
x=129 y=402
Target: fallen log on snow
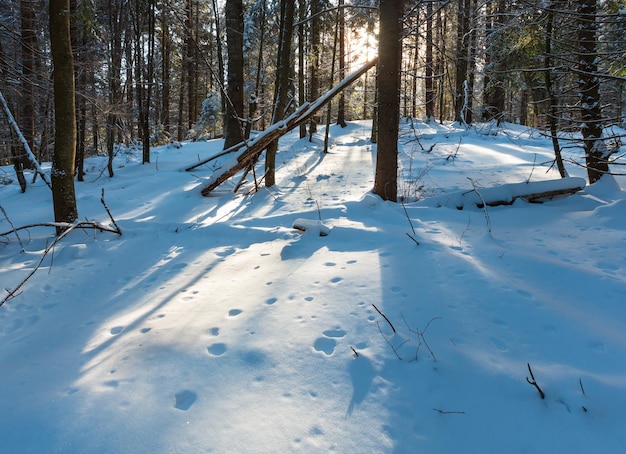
x=246 y=153
x=534 y=192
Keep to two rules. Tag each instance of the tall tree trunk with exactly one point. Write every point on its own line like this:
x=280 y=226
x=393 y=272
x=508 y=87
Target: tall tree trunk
x=115 y=12
x=330 y=83
x=428 y=79
x=414 y=70
x=234 y=106
x=389 y=66
x=440 y=70
x=552 y=100
x=254 y=97
x=301 y=71
x=191 y=53
x=461 y=61
x=596 y=153
x=283 y=72
x=27 y=92
x=341 y=103
x=471 y=64
x=63 y=193
x=220 y=57
x=314 y=83
x=166 y=64
x=149 y=81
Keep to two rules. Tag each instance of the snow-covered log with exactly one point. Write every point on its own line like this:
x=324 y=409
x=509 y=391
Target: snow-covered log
x=506 y=194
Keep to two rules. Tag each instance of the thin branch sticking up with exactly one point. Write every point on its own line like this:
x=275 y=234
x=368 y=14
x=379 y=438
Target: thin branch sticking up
x=411 y=224
x=117 y=228
x=385 y=317
x=420 y=337
x=395 y=349
x=19 y=240
x=534 y=382
x=484 y=204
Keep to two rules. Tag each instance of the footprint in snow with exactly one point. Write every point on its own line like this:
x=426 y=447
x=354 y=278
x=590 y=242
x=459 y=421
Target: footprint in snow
x=217 y=349
x=185 y=399
x=327 y=343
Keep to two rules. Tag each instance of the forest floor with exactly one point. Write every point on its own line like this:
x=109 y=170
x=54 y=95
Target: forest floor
x=212 y=325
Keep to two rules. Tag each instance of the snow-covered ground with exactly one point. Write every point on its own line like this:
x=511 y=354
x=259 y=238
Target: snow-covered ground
x=212 y=325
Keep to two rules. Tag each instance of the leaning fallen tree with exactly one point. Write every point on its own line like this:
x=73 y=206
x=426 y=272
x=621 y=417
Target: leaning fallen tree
x=246 y=153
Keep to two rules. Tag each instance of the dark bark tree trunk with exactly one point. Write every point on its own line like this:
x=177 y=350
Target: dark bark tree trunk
x=314 y=83
x=220 y=57
x=552 y=100
x=461 y=61
x=27 y=92
x=389 y=66
x=115 y=13
x=341 y=103
x=471 y=65
x=234 y=106
x=441 y=26
x=63 y=192
x=596 y=155
x=148 y=82
x=301 y=71
x=193 y=58
x=283 y=72
x=254 y=97
x=428 y=79
x=166 y=64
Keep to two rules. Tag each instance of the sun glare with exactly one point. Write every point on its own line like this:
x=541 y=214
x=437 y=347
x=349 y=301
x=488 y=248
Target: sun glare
x=362 y=46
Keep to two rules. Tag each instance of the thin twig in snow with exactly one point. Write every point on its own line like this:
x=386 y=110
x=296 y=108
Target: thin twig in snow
x=19 y=240
x=385 y=317
x=534 y=382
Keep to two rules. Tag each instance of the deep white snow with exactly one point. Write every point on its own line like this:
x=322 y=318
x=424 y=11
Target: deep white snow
x=213 y=325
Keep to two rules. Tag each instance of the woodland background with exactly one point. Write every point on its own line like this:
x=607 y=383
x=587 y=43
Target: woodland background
x=149 y=72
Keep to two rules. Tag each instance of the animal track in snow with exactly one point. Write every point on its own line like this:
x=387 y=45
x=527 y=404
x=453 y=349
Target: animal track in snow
x=116 y=330
x=337 y=332
x=234 y=312
x=185 y=399
x=217 y=349
x=327 y=343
